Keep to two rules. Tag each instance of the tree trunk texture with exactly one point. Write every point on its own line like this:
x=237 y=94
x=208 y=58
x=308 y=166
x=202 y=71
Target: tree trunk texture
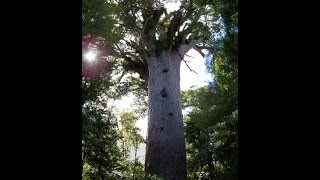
x=165 y=150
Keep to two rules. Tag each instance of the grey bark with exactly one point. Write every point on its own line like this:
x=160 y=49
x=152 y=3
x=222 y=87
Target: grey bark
x=165 y=150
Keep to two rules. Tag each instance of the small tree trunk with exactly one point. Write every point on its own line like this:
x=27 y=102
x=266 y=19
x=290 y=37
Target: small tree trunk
x=165 y=150
x=135 y=159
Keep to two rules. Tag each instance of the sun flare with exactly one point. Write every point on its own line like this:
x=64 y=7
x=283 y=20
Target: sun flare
x=90 y=56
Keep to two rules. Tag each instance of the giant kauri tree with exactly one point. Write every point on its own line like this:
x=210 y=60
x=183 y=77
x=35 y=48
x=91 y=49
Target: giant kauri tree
x=152 y=41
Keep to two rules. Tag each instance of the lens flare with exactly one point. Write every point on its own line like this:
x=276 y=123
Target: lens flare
x=90 y=56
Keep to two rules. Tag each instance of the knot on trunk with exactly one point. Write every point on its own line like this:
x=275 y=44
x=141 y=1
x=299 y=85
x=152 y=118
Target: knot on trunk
x=164 y=93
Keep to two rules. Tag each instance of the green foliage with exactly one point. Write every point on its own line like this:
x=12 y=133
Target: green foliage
x=131 y=84
x=202 y=3
x=198 y=136
x=132 y=169
x=130 y=140
x=130 y=133
x=98 y=19
x=228 y=9
x=118 y=22
x=140 y=105
x=100 y=153
x=102 y=157
x=211 y=125
x=99 y=141
x=210 y=135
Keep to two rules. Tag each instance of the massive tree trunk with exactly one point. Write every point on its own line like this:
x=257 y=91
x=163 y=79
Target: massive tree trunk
x=165 y=151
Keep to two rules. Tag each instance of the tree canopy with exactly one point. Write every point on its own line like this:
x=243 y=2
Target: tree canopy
x=133 y=30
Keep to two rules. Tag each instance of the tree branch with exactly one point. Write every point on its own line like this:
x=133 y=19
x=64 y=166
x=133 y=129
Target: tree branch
x=175 y=23
x=184 y=48
x=189 y=11
x=205 y=47
x=189 y=56
x=191 y=28
x=188 y=66
x=136 y=47
x=196 y=47
x=126 y=58
x=209 y=48
x=151 y=20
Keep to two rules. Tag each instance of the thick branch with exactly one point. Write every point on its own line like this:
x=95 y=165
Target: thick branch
x=151 y=20
x=205 y=47
x=138 y=48
x=148 y=34
x=136 y=66
x=209 y=48
x=189 y=11
x=175 y=23
x=184 y=48
x=193 y=30
x=195 y=47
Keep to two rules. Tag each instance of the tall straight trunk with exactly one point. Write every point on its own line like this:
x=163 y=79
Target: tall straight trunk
x=165 y=150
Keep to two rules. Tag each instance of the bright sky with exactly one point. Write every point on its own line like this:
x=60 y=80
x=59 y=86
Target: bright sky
x=172 y=6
